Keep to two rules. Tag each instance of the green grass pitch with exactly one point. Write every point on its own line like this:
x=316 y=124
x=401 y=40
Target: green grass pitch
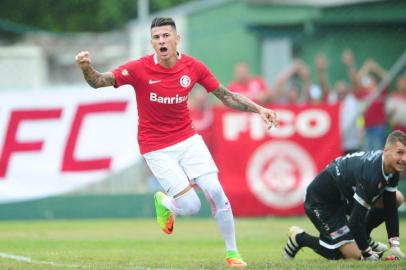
x=139 y=244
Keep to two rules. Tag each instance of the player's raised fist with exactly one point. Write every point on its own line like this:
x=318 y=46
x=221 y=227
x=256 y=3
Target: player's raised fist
x=82 y=59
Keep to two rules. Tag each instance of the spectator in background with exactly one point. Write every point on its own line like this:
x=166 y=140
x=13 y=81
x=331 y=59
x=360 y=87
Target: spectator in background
x=365 y=83
x=253 y=87
x=396 y=105
x=293 y=85
x=350 y=133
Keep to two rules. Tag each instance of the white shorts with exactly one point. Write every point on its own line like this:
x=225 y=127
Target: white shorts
x=177 y=166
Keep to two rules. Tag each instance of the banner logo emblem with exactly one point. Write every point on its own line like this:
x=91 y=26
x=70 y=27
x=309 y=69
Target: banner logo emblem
x=279 y=172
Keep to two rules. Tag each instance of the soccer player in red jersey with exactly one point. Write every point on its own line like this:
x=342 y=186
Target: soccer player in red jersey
x=176 y=155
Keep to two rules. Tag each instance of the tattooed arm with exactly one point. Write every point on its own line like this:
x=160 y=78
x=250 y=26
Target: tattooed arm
x=235 y=100
x=242 y=103
x=94 y=78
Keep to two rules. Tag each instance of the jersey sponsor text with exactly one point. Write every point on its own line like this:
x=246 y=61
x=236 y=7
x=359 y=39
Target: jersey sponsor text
x=167 y=100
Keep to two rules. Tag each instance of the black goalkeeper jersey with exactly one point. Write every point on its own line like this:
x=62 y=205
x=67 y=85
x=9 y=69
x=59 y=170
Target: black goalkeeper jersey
x=360 y=176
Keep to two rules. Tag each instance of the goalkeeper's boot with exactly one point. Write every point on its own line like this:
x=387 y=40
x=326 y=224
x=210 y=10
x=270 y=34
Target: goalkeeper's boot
x=234 y=260
x=292 y=247
x=164 y=216
x=377 y=246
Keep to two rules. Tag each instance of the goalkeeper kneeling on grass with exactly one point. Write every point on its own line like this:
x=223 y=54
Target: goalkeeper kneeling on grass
x=351 y=197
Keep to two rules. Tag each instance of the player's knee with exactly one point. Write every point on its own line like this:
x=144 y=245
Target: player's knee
x=192 y=205
x=218 y=200
x=193 y=208
x=399 y=198
x=188 y=203
x=215 y=192
x=195 y=205
x=350 y=251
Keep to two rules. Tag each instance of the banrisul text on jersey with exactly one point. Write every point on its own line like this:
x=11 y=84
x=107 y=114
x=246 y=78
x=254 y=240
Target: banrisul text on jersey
x=167 y=100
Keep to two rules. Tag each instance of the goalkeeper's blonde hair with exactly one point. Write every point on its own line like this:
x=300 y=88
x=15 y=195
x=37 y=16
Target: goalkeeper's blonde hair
x=396 y=136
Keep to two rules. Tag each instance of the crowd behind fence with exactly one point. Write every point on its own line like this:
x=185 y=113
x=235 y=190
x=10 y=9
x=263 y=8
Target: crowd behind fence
x=368 y=112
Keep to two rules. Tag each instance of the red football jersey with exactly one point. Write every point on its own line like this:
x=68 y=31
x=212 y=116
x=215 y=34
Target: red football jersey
x=251 y=89
x=162 y=95
x=375 y=114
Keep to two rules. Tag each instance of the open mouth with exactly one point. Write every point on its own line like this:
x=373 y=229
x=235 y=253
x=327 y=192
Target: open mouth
x=163 y=49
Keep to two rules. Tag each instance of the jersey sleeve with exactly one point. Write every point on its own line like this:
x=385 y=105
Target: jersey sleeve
x=362 y=194
x=391 y=214
x=393 y=184
x=206 y=78
x=126 y=74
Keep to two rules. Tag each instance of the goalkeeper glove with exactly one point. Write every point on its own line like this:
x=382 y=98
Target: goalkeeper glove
x=394 y=249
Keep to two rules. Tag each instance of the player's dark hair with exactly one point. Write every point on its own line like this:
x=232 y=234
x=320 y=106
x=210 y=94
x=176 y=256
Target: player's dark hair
x=396 y=136
x=161 y=21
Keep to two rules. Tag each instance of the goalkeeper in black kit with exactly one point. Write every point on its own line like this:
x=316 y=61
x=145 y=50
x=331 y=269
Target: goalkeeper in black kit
x=351 y=197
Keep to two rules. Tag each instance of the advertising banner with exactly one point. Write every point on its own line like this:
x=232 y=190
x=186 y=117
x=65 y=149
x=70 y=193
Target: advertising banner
x=53 y=142
x=266 y=172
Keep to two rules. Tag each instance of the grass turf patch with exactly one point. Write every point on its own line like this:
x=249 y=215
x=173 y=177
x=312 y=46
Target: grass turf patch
x=139 y=244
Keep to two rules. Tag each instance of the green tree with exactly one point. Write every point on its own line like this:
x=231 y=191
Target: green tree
x=19 y=16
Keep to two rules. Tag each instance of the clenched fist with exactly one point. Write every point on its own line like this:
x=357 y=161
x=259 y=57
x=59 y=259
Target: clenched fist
x=82 y=59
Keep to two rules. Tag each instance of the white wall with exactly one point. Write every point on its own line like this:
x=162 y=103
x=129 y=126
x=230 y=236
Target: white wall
x=22 y=68
x=276 y=56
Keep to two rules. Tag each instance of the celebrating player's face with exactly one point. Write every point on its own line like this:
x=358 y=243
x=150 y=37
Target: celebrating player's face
x=395 y=157
x=164 y=40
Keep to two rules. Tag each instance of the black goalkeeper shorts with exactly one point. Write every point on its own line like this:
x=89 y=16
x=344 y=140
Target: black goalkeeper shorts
x=327 y=209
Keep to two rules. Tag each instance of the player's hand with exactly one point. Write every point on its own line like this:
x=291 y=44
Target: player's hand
x=347 y=57
x=394 y=250
x=82 y=59
x=321 y=62
x=269 y=117
x=370 y=255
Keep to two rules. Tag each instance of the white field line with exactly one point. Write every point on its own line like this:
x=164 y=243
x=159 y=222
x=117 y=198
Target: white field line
x=149 y=268
x=29 y=260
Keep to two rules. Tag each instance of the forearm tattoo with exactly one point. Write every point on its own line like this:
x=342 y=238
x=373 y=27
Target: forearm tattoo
x=96 y=79
x=235 y=100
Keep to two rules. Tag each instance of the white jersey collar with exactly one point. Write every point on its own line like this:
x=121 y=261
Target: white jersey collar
x=383 y=171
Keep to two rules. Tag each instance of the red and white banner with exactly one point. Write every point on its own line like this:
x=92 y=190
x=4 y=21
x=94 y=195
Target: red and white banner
x=52 y=142
x=266 y=172
x=56 y=141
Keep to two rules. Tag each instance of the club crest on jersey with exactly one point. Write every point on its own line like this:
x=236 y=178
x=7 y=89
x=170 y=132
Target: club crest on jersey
x=124 y=72
x=184 y=81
